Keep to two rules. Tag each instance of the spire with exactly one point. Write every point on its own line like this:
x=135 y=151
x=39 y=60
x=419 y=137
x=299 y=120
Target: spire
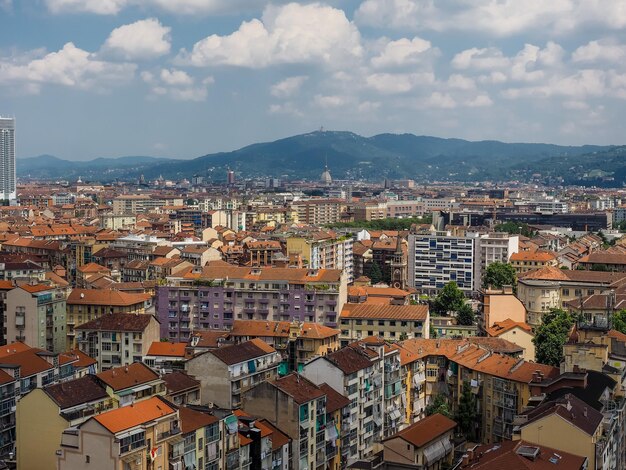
x=398 y=245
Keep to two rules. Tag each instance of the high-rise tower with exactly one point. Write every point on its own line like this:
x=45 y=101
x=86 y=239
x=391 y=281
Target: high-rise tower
x=7 y=159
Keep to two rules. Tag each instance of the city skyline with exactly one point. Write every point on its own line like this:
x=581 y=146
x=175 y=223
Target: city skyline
x=184 y=78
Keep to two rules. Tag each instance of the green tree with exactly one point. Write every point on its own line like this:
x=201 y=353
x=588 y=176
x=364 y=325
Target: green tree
x=439 y=405
x=465 y=315
x=375 y=274
x=551 y=335
x=499 y=274
x=449 y=299
x=466 y=416
x=619 y=321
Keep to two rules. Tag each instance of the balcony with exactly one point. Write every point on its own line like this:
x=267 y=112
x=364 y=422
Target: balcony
x=174 y=430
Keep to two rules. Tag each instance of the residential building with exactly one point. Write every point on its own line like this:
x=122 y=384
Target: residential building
x=491 y=248
x=182 y=389
x=525 y=261
x=220 y=294
x=117 y=339
x=227 y=373
x=391 y=322
x=520 y=454
x=319 y=212
x=199 y=255
x=604 y=261
x=189 y=451
x=519 y=333
x=356 y=372
x=166 y=357
x=137 y=436
x=550 y=287
x=298 y=342
x=84 y=305
x=448 y=327
x=369 y=210
x=44 y=413
x=436 y=258
x=35 y=314
x=8 y=181
x=323 y=250
x=136 y=203
x=427 y=444
x=498 y=305
x=129 y=384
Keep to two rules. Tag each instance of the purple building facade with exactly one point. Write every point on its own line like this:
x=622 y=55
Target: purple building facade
x=213 y=304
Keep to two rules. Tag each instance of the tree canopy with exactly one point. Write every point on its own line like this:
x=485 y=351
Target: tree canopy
x=465 y=315
x=515 y=228
x=551 y=335
x=619 y=321
x=375 y=273
x=439 y=405
x=384 y=224
x=466 y=416
x=449 y=299
x=499 y=274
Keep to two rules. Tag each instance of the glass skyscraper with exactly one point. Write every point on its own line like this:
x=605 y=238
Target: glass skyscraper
x=7 y=159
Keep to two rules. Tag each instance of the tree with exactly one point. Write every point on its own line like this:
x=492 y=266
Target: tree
x=499 y=274
x=439 y=405
x=375 y=274
x=449 y=299
x=551 y=335
x=465 y=315
x=619 y=321
x=466 y=416
x=515 y=228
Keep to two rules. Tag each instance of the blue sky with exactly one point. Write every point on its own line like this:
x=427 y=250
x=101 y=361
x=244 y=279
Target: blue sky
x=182 y=78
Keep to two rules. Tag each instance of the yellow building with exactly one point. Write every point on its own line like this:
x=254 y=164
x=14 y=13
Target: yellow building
x=519 y=333
x=136 y=436
x=567 y=424
x=525 y=261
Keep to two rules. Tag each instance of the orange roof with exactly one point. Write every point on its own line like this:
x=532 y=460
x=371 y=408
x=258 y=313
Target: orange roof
x=394 y=312
x=426 y=430
x=133 y=375
x=33 y=289
x=499 y=328
x=78 y=358
x=13 y=348
x=105 y=297
x=539 y=256
x=261 y=328
x=6 y=285
x=165 y=348
x=136 y=414
x=93 y=268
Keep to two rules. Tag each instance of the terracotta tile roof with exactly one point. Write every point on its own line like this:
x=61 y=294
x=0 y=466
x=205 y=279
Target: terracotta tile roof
x=35 y=288
x=378 y=311
x=75 y=392
x=118 y=322
x=334 y=400
x=539 y=256
x=572 y=409
x=79 y=359
x=136 y=414
x=178 y=381
x=120 y=378
x=106 y=297
x=13 y=348
x=279 y=439
x=6 y=285
x=192 y=420
x=426 y=430
x=30 y=361
x=165 y=348
x=242 y=352
x=5 y=378
x=509 y=455
x=294 y=275
x=617 y=335
x=349 y=359
x=298 y=387
x=600 y=257
x=502 y=327
x=209 y=339
x=279 y=329
x=551 y=273
x=93 y=268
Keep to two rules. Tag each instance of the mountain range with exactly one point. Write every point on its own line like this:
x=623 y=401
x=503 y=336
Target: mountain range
x=349 y=155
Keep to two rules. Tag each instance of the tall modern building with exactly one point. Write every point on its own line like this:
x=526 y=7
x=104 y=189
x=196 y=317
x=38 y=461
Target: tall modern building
x=7 y=159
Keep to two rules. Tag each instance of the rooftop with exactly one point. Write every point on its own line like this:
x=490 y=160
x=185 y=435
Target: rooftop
x=426 y=430
x=135 y=414
x=118 y=322
x=121 y=378
x=243 y=352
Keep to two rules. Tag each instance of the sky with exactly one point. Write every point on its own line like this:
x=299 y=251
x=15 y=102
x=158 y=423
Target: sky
x=183 y=78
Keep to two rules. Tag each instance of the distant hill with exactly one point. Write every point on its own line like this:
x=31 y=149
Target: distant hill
x=350 y=155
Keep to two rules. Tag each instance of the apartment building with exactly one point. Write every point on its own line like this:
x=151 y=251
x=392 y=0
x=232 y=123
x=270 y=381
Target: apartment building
x=297 y=406
x=182 y=389
x=519 y=333
x=227 y=373
x=44 y=413
x=117 y=339
x=547 y=288
x=130 y=384
x=35 y=314
x=136 y=436
x=319 y=211
x=404 y=209
x=135 y=204
x=220 y=294
x=298 y=342
x=498 y=305
x=369 y=210
x=491 y=248
x=84 y=305
x=525 y=261
x=436 y=258
x=356 y=372
x=323 y=250
x=391 y=322
x=138 y=246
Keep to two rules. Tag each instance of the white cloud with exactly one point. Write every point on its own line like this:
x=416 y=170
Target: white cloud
x=286 y=34
x=70 y=66
x=402 y=52
x=482 y=59
x=368 y=106
x=392 y=83
x=176 y=77
x=604 y=50
x=575 y=105
x=461 y=82
x=6 y=5
x=499 y=18
x=440 y=100
x=99 y=7
x=329 y=101
x=479 y=101
x=288 y=87
x=143 y=39
x=287 y=108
